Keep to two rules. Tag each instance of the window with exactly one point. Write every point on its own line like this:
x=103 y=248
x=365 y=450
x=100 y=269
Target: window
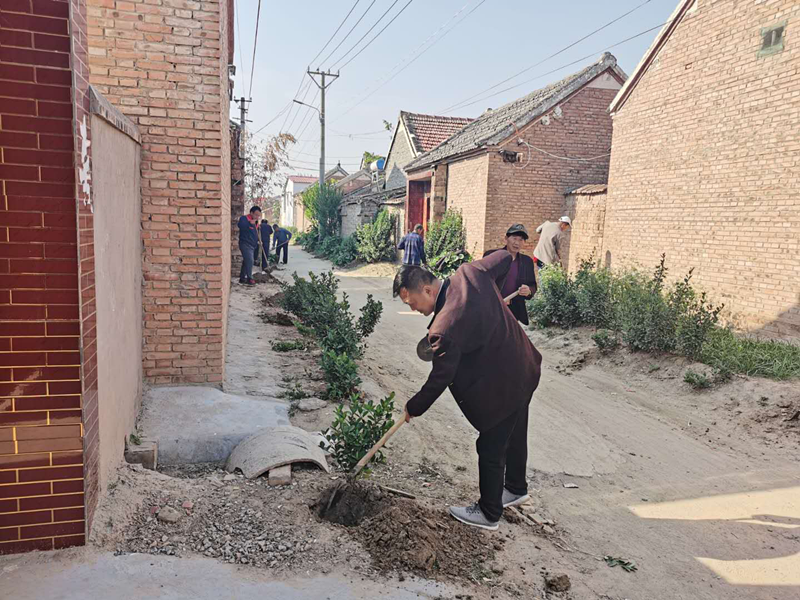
x=772 y=39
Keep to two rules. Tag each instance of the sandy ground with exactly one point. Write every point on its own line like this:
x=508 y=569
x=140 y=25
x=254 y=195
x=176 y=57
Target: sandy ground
x=700 y=490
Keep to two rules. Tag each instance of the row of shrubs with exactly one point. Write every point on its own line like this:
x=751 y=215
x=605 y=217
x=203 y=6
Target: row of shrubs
x=445 y=243
x=342 y=338
x=647 y=314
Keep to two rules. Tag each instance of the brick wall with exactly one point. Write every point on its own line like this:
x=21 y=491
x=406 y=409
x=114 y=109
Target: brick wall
x=706 y=163
x=466 y=192
x=164 y=65
x=48 y=357
x=585 y=238
x=532 y=191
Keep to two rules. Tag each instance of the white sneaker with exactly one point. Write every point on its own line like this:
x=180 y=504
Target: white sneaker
x=473 y=515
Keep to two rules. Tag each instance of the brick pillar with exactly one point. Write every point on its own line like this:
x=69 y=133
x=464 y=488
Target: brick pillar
x=48 y=389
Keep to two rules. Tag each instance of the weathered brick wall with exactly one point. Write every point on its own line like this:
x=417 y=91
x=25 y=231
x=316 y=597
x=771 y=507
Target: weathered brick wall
x=48 y=352
x=706 y=163
x=585 y=238
x=532 y=191
x=164 y=65
x=466 y=192
x=400 y=155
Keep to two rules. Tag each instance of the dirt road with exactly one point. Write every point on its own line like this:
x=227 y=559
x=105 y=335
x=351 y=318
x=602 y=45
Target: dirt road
x=705 y=510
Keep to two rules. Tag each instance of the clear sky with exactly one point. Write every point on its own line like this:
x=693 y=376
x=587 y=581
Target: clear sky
x=477 y=51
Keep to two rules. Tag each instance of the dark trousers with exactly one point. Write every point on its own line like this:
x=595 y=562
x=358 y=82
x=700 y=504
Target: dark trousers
x=263 y=256
x=248 y=254
x=285 y=249
x=502 y=461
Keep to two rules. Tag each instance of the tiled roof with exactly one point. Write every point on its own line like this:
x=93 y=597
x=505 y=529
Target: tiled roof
x=353 y=176
x=494 y=126
x=428 y=131
x=303 y=178
x=589 y=190
x=367 y=194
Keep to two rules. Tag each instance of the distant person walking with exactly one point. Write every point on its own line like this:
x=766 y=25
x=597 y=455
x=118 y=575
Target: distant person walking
x=262 y=250
x=280 y=241
x=248 y=243
x=548 y=250
x=413 y=247
x=520 y=275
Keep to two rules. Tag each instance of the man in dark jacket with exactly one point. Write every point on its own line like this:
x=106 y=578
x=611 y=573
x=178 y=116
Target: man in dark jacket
x=491 y=367
x=248 y=243
x=413 y=247
x=262 y=250
x=521 y=276
x=281 y=242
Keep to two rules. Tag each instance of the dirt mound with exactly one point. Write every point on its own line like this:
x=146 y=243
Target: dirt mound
x=279 y=318
x=402 y=534
x=274 y=300
x=265 y=278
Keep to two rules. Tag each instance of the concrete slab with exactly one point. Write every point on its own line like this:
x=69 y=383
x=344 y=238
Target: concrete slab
x=102 y=576
x=193 y=424
x=276 y=447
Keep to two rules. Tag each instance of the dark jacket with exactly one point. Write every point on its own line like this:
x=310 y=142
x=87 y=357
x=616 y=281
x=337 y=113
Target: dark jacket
x=281 y=236
x=525 y=276
x=247 y=232
x=266 y=233
x=479 y=350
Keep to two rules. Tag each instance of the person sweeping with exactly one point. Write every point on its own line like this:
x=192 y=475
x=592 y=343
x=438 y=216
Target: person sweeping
x=491 y=367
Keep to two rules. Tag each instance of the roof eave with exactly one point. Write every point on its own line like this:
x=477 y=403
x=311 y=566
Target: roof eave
x=663 y=36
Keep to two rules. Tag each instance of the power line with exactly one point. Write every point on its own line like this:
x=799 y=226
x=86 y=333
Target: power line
x=255 y=45
x=386 y=81
x=633 y=37
x=239 y=34
x=311 y=62
x=458 y=104
x=303 y=99
x=275 y=118
x=367 y=45
x=348 y=33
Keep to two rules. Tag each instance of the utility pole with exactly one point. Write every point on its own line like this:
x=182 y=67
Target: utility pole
x=243 y=123
x=322 y=87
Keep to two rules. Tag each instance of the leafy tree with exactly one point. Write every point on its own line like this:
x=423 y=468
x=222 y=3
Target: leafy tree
x=323 y=208
x=370 y=158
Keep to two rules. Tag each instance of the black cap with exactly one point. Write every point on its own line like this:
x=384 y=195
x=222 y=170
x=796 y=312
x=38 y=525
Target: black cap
x=518 y=229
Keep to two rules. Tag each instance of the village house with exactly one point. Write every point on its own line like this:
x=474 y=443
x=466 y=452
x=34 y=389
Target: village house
x=115 y=226
x=292 y=213
x=413 y=135
x=515 y=163
x=705 y=162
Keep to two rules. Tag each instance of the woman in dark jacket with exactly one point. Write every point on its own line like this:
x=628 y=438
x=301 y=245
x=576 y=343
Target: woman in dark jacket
x=521 y=276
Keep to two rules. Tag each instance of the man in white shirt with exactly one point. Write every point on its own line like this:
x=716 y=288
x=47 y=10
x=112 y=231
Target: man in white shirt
x=548 y=250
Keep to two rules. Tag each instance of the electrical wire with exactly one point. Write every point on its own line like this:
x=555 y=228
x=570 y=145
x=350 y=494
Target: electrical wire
x=457 y=105
x=311 y=62
x=303 y=100
x=633 y=37
x=573 y=159
x=386 y=81
x=255 y=45
x=241 y=60
x=348 y=34
x=367 y=45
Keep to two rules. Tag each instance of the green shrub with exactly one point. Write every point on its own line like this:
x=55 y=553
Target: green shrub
x=376 y=240
x=322 y=208
x=346 y=252
x=289 y=345
x=445 y=244
x=315 y=303
x=594 y=294
x=341 y=375
x=607 y=341
x=556 y=301
x=698 y=381
x=356 y=429
x=751 y=356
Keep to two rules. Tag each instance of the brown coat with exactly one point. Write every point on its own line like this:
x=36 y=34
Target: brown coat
x=480 y=351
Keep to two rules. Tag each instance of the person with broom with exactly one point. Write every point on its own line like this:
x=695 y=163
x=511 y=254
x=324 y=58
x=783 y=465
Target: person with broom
x=491 y=367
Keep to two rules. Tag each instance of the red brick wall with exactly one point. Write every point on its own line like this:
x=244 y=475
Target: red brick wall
x=584 y=239
x=48 y=398
x=532 y=191
x=164 y=65
x=706 y=163
x=466 y=192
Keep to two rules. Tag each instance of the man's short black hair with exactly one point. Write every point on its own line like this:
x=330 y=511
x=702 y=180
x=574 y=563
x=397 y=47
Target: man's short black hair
x=254 y=209
x=418 y=226
x=276 y=226
x=411 y=278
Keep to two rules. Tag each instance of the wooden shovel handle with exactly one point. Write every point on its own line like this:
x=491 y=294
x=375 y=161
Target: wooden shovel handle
x=511 y=296
x=368 y=456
